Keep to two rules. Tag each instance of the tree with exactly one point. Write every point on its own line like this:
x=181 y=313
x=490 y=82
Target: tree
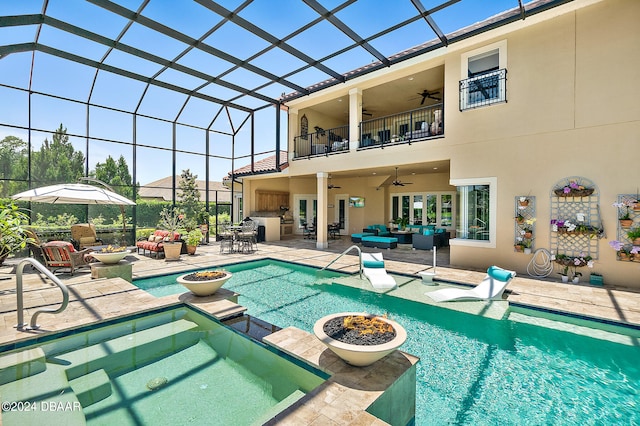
x=57 y=161
x=12 y=150
x=190 y=199
x=116 y=175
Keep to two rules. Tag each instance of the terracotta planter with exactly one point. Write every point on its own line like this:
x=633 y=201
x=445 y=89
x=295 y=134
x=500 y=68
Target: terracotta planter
x=519 y=249
x=626 y=223
x=636 y=242
x=528 y=234
x=203 y=288
x=524 y=203
x=359 y=355
x=191 y=250
x=172 y=250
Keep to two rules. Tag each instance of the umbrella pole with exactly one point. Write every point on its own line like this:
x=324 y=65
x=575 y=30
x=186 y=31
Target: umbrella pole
x=124 y=221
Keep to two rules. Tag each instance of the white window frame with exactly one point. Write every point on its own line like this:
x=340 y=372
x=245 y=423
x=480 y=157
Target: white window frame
x=501 y=47
x=492 y=182
x=424 y=195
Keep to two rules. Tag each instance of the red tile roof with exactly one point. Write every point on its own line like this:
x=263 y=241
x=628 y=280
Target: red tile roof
x=265 y=165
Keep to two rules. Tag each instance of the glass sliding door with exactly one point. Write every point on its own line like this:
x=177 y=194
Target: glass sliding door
x=418 y=210
x=305 y=210
x=425 y=208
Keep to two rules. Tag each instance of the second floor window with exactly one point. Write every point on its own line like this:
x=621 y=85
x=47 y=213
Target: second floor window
x=486 y=80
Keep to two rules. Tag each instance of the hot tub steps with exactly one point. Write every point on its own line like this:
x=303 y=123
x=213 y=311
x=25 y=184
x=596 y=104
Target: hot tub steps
x=21 y=364
x=92 y=387
x=132 y=350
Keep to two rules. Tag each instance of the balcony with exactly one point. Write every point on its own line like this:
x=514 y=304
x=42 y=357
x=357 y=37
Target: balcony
x=322 y=142
x=404 y=127
x=484 y=89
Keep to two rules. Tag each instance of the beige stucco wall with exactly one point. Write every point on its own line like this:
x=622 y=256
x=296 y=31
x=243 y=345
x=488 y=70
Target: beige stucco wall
x=572 y=110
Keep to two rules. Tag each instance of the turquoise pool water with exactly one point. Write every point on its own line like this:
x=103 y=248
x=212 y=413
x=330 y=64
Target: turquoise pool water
x=473 y=370
x=172 y=367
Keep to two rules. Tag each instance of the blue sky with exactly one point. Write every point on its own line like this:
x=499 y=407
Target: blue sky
x=68 y=79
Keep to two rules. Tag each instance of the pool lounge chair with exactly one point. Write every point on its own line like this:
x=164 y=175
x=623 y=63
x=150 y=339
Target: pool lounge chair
x=491 y=288
x=373 y=269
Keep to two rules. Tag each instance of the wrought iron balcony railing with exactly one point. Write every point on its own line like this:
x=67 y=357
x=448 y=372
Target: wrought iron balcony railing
x=483 y=89
x=404 y=127
x=322 y=142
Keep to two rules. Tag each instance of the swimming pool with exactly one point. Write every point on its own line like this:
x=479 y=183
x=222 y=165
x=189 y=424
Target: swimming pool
x=167 y=367
x=473 y=370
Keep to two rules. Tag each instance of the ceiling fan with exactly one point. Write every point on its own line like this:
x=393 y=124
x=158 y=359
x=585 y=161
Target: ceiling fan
x=332 y=186
x=397 y=182
x=428 y=94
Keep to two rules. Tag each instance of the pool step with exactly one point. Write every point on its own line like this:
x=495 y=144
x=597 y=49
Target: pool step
x=92 y=387
x=46 y=398
x=280 y=406
x=132 y=350
x=22 y=364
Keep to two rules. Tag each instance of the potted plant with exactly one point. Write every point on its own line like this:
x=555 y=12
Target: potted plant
x=523 y=201
x=193 y=239
x=527 y=243
x=519 y=219
x=13 y=236
x=519 y=245
x=573 y=189
x=204 y=283
x=402 y=222
x=171 y=221
x=360 y=339
x=634 y=236
x=624 y=215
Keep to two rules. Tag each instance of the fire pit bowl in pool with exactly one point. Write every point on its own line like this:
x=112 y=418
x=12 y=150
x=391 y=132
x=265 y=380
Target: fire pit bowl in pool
x=360 y=339
x=204 y=283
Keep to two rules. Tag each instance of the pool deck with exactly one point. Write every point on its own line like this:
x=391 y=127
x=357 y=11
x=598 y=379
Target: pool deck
x=93 y=300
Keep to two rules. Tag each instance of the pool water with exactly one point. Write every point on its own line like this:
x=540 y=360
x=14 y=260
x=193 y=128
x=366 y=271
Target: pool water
x=473 y=370
x=174 y=367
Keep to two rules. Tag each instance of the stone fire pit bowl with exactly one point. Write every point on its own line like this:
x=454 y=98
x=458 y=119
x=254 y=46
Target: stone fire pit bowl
x=359 y=355
x=203 y=287
x=110 y=258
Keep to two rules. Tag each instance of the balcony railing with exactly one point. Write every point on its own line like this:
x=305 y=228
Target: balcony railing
x=405 y=127
x=322 y=141
x=483 y=89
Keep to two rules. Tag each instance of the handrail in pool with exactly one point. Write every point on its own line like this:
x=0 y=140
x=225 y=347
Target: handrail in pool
x=40 y=267
x=345 y=252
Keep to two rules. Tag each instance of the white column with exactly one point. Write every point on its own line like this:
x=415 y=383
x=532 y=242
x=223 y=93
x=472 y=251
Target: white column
x=355 y=117
x=322 y=222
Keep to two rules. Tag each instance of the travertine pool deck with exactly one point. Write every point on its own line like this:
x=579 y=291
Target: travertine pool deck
x=101 y=299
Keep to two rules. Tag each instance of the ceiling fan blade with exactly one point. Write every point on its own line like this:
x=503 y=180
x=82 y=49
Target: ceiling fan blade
x=423 y=98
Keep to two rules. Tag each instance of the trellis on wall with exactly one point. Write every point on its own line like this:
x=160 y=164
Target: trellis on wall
x=576 y=224
x=629 y=221
x=525 y=217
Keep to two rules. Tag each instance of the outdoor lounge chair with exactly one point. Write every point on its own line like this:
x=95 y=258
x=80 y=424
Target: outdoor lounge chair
x=84 y=235
x=373 y=269
x=491 y=288
x=61 y=254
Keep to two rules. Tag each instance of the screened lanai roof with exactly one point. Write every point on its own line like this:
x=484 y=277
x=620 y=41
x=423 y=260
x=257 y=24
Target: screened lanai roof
x=243 y=54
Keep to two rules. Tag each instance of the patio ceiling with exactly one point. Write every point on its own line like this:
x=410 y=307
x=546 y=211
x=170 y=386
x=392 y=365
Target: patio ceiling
x=246 y=55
